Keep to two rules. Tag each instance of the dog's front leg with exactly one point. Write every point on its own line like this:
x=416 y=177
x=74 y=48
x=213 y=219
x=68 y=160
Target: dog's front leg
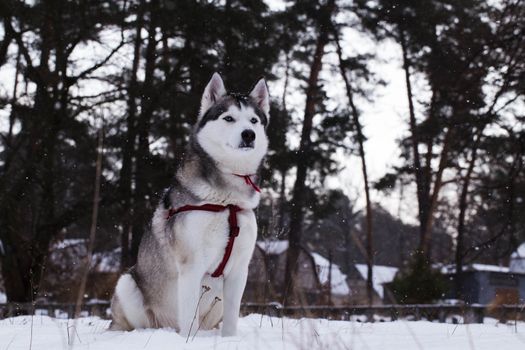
x=189 y=293
x=233 y=288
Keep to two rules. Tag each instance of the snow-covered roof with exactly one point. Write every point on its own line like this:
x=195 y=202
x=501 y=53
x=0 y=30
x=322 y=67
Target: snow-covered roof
x=65 y=243
x=380 y=275
x=338 y=285
x=3 y=298
x=519 y=253
x=517 y=260
x=274 y=247
x=107 y=261
x=476 y=267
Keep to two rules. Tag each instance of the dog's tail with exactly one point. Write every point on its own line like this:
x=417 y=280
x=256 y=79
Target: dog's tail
x=127 y=306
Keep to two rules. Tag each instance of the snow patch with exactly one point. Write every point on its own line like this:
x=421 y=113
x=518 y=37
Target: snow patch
x=517 y=260
x=3 y=298
x=107 y=261
x=66 y=243
x=475 y=267
x=275 y=247
x=520 y=252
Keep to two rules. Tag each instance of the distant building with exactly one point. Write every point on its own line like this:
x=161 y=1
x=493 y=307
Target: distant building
x=64 y=269
x=517 y=260
x=488 y=284
x=317 y=282
x=331 y=278
x=381 y=275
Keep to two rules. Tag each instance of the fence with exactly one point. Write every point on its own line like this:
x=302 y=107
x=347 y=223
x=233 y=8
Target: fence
x=61 y=310
x=431 y=312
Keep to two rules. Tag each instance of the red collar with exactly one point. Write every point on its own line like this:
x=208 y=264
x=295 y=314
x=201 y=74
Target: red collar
x=248 y=180
x=232 y=221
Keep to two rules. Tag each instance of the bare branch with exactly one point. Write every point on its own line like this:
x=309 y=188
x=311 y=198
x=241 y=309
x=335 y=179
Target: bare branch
x=72 y=80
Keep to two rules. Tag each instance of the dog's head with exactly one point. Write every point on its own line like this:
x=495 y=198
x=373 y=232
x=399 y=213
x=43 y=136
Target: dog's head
x=231 y=128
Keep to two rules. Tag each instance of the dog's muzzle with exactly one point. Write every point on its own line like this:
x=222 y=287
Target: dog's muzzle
x=248 y=138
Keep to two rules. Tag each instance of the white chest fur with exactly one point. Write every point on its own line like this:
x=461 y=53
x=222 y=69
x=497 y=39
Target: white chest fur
x=199 y=238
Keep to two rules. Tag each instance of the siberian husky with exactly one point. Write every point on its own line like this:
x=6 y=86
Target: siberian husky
x=188 y=274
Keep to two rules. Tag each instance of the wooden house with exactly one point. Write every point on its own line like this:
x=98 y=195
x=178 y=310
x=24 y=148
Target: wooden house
x=319 y=282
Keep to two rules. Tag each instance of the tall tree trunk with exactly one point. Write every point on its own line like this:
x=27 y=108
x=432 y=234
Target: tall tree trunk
x=463 y=204
x=140 y=200
x=427 y=197
x=360 y=141
x=94 y=221
x=299 y=189
x=282 y=200
x=284 y=168
x=128 y=149
x=27 y=233
x=424 y=247
x=15 y=263
x=6 y=41
x=9 y=153
x=422 y=198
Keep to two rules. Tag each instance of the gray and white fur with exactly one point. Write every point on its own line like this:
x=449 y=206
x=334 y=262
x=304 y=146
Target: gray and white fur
x=171 y=286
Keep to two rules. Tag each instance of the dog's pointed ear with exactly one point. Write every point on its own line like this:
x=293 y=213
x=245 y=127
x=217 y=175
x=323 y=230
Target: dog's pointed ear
x=213 y=91
x=261 y=96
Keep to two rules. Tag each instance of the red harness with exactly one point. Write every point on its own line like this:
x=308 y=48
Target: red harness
x=249 y=181
x=232 y=221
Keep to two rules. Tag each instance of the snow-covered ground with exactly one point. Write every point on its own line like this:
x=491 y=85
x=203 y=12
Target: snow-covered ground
x=262 y=332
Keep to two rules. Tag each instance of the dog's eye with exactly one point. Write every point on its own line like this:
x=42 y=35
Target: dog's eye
x=254 y=120
x=229 y=119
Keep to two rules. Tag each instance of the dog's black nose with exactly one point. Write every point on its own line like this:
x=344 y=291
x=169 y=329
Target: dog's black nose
x=248 y=136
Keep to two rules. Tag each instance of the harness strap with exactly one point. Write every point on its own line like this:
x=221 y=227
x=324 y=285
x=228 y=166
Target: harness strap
x=232 y=221
x=248 y=180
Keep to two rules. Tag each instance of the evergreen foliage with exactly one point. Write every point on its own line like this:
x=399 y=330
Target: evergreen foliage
x=420 y=284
